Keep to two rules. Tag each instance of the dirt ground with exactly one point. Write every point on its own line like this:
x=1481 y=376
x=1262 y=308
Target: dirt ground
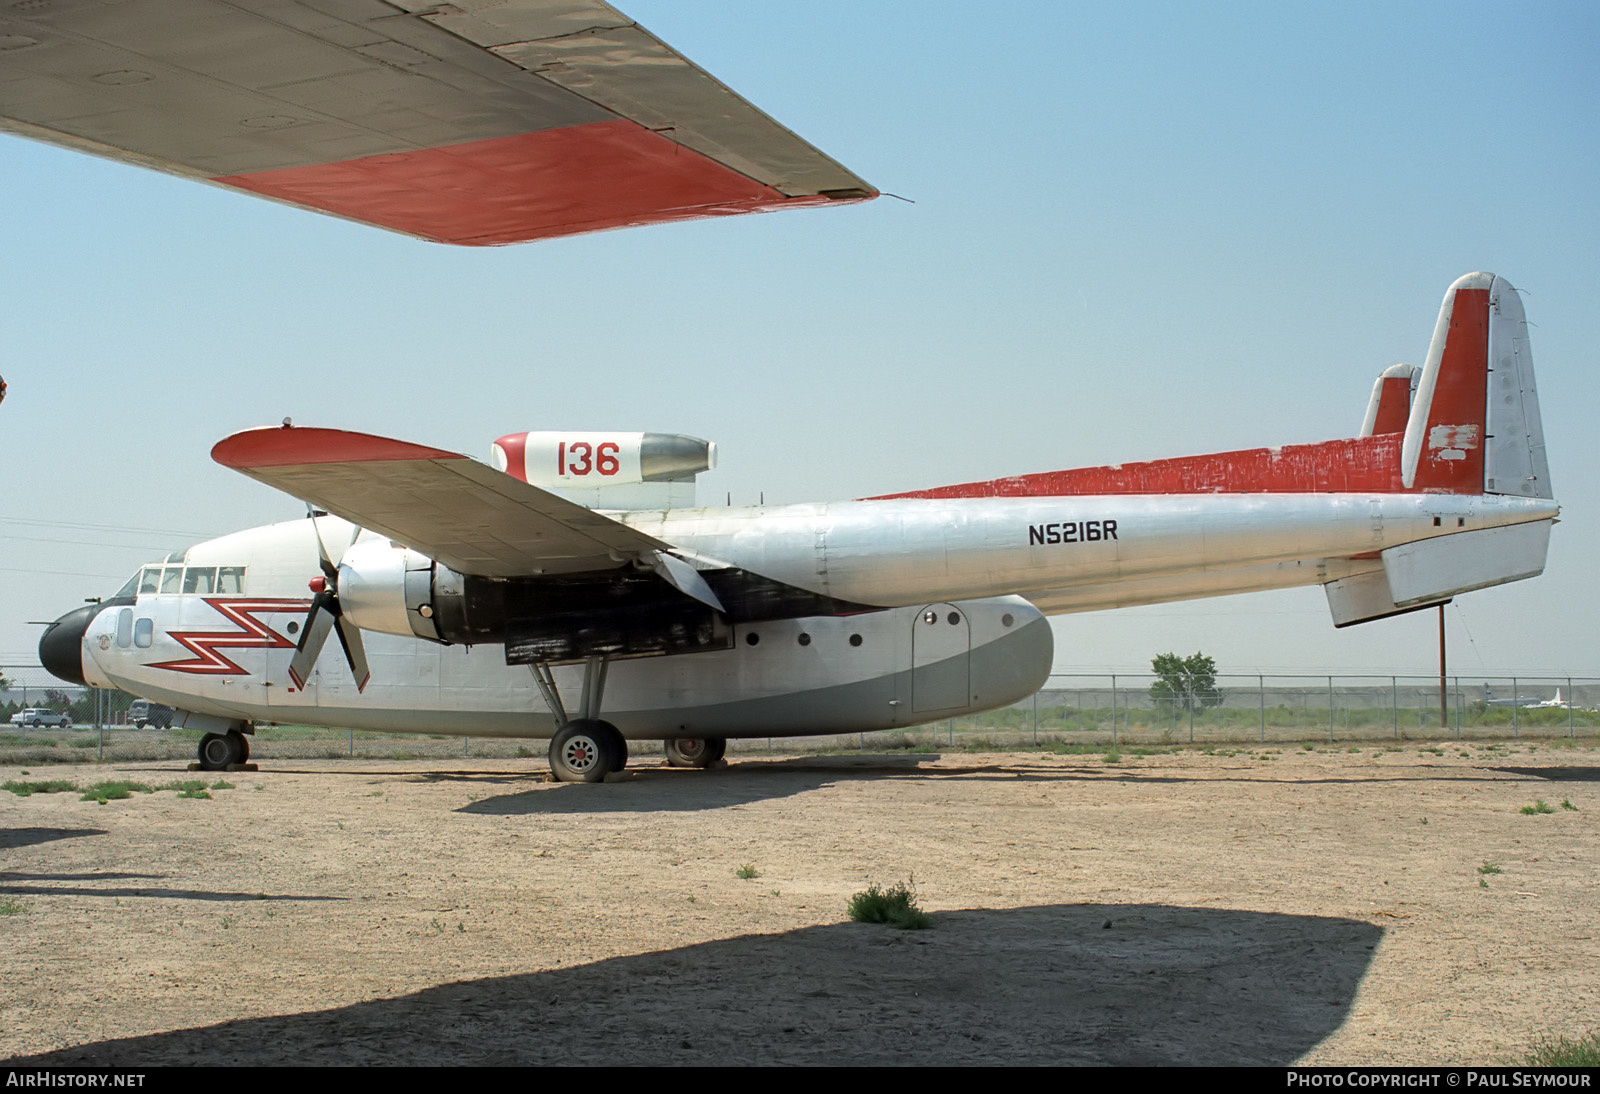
x=1267 y=907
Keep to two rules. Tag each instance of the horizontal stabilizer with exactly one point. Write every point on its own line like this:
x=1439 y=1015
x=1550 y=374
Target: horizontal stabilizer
x=1431 y=571
x=1365 y=597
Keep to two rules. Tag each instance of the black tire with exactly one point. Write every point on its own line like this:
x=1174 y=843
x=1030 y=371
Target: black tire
x=243 y=747
x=695 y=751
x=36 y=723
x=586 y=752
x=218 y=751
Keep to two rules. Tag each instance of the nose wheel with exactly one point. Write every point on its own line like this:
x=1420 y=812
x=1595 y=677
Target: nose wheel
x=695 y=751
x=220 y=751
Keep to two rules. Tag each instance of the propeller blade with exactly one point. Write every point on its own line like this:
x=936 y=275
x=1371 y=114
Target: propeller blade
x=325 y=613
x=354 y=652
x=319 y=621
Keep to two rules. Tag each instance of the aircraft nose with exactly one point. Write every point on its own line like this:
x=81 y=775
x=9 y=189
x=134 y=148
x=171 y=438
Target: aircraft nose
x=61 y=648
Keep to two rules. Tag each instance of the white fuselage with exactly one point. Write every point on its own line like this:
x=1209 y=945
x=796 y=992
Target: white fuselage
x=955 y=636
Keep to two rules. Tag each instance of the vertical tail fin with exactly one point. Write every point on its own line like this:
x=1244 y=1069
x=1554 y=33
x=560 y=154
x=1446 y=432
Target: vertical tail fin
x=1474 y=425
x=1390 y=404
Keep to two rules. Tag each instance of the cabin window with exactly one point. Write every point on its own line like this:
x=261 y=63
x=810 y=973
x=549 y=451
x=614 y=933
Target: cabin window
x=125 y=628
x=143 y=632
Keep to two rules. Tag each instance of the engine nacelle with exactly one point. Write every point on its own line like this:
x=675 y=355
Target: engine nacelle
x=609 y=470
x=388 y=588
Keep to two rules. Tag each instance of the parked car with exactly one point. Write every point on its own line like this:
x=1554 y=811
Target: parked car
x=142 y=712
x=36 y=717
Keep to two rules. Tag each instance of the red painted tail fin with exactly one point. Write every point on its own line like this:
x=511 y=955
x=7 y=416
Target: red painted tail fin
x=1474 y=427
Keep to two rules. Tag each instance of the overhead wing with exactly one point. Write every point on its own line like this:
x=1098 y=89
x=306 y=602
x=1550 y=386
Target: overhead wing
x=474 y=122
x=474 y=519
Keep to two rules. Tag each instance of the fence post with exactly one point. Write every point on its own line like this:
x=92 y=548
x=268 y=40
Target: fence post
x=1113 y=708
x=1330 y=710
x=1516 y=710
x=1394 y=704
x=1569 y=708
x=1261 y=697
x=1036 y=718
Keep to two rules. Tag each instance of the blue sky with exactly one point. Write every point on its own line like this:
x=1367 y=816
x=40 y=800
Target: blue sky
x=1137 y=231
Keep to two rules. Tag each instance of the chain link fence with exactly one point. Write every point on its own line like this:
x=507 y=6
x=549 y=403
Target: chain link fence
x=1089 y=711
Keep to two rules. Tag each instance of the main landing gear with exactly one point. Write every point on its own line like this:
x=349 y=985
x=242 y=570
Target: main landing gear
x=220 y=751
x=586 y=749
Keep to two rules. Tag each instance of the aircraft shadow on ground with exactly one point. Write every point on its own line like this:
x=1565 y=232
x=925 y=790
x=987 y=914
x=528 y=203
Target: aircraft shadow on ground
x=14 y=883
x=647 y=789
x=12 y=838
x=1557 y=774
x=1063 y=984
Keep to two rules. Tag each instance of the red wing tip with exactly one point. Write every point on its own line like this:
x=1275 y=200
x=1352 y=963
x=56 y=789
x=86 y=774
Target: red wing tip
x=289 y=446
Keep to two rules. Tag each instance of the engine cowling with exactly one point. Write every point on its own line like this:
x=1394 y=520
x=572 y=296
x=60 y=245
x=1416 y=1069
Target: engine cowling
x=608 y=470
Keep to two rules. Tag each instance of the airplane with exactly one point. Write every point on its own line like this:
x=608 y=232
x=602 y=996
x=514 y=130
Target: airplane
x=1527 y=702
x=624 y=612
x=495 y=123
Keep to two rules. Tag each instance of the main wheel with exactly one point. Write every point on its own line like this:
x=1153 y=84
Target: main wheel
x=695 y=751
x=586 y=752
x=243 y=746
x=219 y=750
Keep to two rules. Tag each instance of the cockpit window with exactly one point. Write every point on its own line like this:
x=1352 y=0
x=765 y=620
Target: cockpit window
x=200 y=579
x=196 y=580
x=130 y=589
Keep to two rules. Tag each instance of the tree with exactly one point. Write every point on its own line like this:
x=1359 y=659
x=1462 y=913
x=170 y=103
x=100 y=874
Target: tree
x=1185 y=683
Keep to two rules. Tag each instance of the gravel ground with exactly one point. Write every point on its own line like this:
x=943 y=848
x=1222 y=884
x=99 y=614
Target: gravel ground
x=1260 y=906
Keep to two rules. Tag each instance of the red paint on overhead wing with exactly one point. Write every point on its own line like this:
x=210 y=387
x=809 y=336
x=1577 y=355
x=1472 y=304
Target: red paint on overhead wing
x=1367 y=465
x=291 y=447
x=556 y=182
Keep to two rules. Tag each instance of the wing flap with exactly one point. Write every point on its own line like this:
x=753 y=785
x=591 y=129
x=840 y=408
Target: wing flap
x=472 y=518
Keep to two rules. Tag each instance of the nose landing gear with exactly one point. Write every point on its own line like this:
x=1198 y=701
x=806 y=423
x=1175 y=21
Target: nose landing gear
x=220 y=751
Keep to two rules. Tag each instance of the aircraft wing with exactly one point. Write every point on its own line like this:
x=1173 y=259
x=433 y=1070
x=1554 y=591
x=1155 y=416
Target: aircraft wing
x=474 y=519
x=476 y=122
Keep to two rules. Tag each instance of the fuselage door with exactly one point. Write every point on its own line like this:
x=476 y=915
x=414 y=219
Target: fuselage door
x=941 y=647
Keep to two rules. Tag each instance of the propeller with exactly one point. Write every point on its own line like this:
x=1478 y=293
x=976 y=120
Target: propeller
x=326 y=614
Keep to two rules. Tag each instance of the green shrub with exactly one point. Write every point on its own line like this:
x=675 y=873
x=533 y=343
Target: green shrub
x=895 y=906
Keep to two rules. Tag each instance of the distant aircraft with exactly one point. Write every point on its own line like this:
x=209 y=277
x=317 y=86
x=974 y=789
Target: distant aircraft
x=668 y=621
x=1526 y=702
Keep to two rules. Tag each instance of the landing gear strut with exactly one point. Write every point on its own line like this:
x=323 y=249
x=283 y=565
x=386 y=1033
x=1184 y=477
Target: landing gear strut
x=695 y=751
x=585 y=749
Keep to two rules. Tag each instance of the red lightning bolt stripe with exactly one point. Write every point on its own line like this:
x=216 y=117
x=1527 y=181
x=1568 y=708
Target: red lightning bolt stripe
x=252 y=635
